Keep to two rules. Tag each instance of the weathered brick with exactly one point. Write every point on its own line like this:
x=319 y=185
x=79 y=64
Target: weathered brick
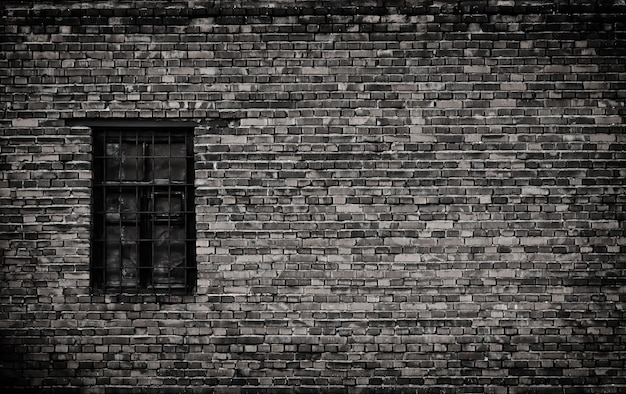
x=377 y=187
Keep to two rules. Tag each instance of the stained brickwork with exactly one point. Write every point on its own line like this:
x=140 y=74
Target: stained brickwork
x=403 y=196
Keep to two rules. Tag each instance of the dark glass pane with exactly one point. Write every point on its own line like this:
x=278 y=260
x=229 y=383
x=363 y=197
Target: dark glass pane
x=112 y=162
x=113 y=257
x=132 y=161
x=168 y=162
x=168 y=204
x=142 y=229
x=129 y=256
x=121 y=205
x=178 y=172
x=169 y=255
x=160 y=150
x=113 y=149
x=121 y=256
x=160 y=162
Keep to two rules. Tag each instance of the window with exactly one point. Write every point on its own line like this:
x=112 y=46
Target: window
x=143 y=211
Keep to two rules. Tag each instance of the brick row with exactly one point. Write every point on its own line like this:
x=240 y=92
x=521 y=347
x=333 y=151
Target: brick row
x=402 y=196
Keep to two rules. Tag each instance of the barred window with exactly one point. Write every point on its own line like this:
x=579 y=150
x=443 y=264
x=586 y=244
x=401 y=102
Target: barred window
x=143 y=211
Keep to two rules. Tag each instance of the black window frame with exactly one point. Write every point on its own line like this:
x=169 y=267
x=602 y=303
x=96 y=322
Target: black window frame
x=175 y=214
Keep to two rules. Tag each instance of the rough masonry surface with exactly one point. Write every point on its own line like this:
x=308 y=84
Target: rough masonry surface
x=397 y=196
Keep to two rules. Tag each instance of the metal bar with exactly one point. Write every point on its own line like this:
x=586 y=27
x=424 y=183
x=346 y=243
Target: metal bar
x=142 y=153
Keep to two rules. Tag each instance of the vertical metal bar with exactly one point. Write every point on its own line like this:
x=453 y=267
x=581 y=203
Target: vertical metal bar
x=120 y=241
x=149 y=215
x=186 y=205
x=138 y=218
x=107 y=190
x=141 y=153
x=143 y=272
x=152 y=205
x=188 y=218
x=100 y=212
x=100 y=174
x=169 y=216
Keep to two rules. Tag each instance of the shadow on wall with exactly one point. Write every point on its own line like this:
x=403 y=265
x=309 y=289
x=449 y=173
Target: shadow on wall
x=12 y=360
x=25 y=367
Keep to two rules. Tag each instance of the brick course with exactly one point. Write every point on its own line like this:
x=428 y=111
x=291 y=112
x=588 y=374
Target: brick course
x=403 y=196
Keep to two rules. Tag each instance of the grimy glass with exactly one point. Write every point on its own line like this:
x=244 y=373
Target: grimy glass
x=143 y=211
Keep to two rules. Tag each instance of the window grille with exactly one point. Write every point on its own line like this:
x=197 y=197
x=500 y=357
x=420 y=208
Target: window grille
x=143 y=211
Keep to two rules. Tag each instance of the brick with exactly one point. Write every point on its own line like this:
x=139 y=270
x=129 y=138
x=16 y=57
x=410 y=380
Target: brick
x=400 y=197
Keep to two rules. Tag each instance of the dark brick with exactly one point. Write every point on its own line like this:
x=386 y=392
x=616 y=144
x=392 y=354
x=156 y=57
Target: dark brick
x=390 y=197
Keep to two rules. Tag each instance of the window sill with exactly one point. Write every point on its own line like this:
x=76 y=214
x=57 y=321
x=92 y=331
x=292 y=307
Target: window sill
x=128 y=298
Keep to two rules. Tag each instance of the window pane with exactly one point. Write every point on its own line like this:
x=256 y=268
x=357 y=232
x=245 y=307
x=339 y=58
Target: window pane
x=121 y=256
x=132 y=161
x=113 y=257
x=169 y=255
x=178 y=170
x=112 y=166
x=168 y=162
x=179 y=162
x=129 y=256
x=160 y=162
x=168 y=204
x=141 y=216
x=121 y=205
x=124 y=161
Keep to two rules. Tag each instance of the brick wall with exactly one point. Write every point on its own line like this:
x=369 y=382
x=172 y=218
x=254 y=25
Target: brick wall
x=404 y=196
